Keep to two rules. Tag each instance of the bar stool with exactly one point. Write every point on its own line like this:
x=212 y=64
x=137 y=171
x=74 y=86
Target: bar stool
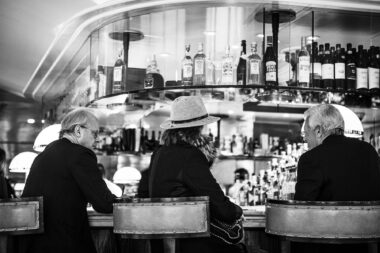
x=20 y=216
x=324 y=222
x=162 y=218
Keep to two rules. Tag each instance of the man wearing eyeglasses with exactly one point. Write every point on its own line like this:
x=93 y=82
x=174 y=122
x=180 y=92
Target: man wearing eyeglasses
x=336 y=168
x=67 y=176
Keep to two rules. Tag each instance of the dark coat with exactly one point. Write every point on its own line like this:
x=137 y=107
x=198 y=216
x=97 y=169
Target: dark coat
x=340 y=169
x=183 y=171
x=67 y=177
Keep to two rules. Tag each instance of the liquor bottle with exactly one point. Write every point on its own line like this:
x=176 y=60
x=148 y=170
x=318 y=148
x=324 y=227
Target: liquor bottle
x=241 y=74
x=327 y=69
x=187 y=68
x=210 y=71
x=119 y=74
x=254 y=73
x=270 y=64
x=350 y=69
x=199 y=76
x=317 y=65
x=373 y=71
x=303 y=65
x=153 y=78
x=361 y=70
x=227 y=68
x=101 y=82
x=340 y=68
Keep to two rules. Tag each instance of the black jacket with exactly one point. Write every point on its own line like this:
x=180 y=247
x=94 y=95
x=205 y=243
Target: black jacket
x=183 y=171
x=340 y=169
x=67 y=177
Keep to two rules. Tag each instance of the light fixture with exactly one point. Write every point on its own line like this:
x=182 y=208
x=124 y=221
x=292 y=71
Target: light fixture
x=22 y=162
x=126 y=175
x=209 y=33
x=311 y=38
x=31 y=121
x=46 y=136
x=260 y=35
x=353 y=127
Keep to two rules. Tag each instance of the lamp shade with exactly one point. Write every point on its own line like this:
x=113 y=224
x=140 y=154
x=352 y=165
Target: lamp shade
x=126 y=175
x=353 y=127
x=46 y=136
x=22 y=162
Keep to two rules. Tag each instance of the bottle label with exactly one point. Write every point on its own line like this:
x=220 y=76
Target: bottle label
x=227 y=73
x=199 y=66
x=317 y=68
x=254 y=68
x=117 y=73
x=270 y=74
x=328 y=71
x=340 y=72
x=187 y=70
x=361 y=78
x=351 y=71
x=304 y=69
x=373 y=78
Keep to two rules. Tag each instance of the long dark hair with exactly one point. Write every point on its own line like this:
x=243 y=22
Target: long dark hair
x=191 y=136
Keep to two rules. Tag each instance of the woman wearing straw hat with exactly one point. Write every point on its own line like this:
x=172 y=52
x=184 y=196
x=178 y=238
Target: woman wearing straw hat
x=181 y=168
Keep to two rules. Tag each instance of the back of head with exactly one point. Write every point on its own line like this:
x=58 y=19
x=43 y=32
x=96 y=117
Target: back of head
x=2 y=156
x=80 y=116
x=326 y=116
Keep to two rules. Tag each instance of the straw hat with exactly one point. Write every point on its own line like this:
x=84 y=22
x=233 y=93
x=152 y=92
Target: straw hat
x=188 y=111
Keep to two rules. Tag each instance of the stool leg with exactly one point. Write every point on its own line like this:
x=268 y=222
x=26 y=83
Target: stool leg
x=3 y=243
x=169 y=245
x=372 y=247
x=285 y=246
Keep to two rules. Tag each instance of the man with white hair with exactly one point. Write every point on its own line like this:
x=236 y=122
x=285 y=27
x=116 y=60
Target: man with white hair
x=336 y=168
x=66 y=175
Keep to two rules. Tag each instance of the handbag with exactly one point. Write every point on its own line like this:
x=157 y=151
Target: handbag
x=230 y=233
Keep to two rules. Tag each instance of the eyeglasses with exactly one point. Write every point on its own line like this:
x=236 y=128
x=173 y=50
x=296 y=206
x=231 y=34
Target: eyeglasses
x=94 y=133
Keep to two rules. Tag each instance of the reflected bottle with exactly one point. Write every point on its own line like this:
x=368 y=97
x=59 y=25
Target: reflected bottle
x=241 y=72
x=187 y=68
x=199 y=76
x=254 y=66
x=119 y=74
x=350 y=69
x=373 y=71
x=210 y=71
x=227 y=68
x=361 y=70
x=339 y=68
x=327 y=69
x=270 y=64
x=153 y=78
x=317 y=65
x=101 y=82
x=303 y=65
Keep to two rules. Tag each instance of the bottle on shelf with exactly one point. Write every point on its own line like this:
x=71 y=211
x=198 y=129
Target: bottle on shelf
x=303 y=65
x=340 y=68
x=350 y=69
x=254 y=74
x=119 y=74
x=373 y=71
x=241 y=72
x=210 y=71
x=316 y=68
x=227 y=68
x=327 y=69
x=270 y=64
x=187 y=67
x=199 y=76
x=153 y=78
x=361 y=70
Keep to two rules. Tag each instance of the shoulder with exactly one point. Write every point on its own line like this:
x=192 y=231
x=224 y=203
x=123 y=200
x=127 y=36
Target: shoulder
x=71 y=149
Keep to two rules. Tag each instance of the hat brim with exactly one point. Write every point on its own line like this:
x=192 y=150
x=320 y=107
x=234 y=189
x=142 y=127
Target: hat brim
x=169 y=125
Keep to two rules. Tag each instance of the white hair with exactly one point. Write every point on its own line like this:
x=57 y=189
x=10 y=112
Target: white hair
x=326 y=116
